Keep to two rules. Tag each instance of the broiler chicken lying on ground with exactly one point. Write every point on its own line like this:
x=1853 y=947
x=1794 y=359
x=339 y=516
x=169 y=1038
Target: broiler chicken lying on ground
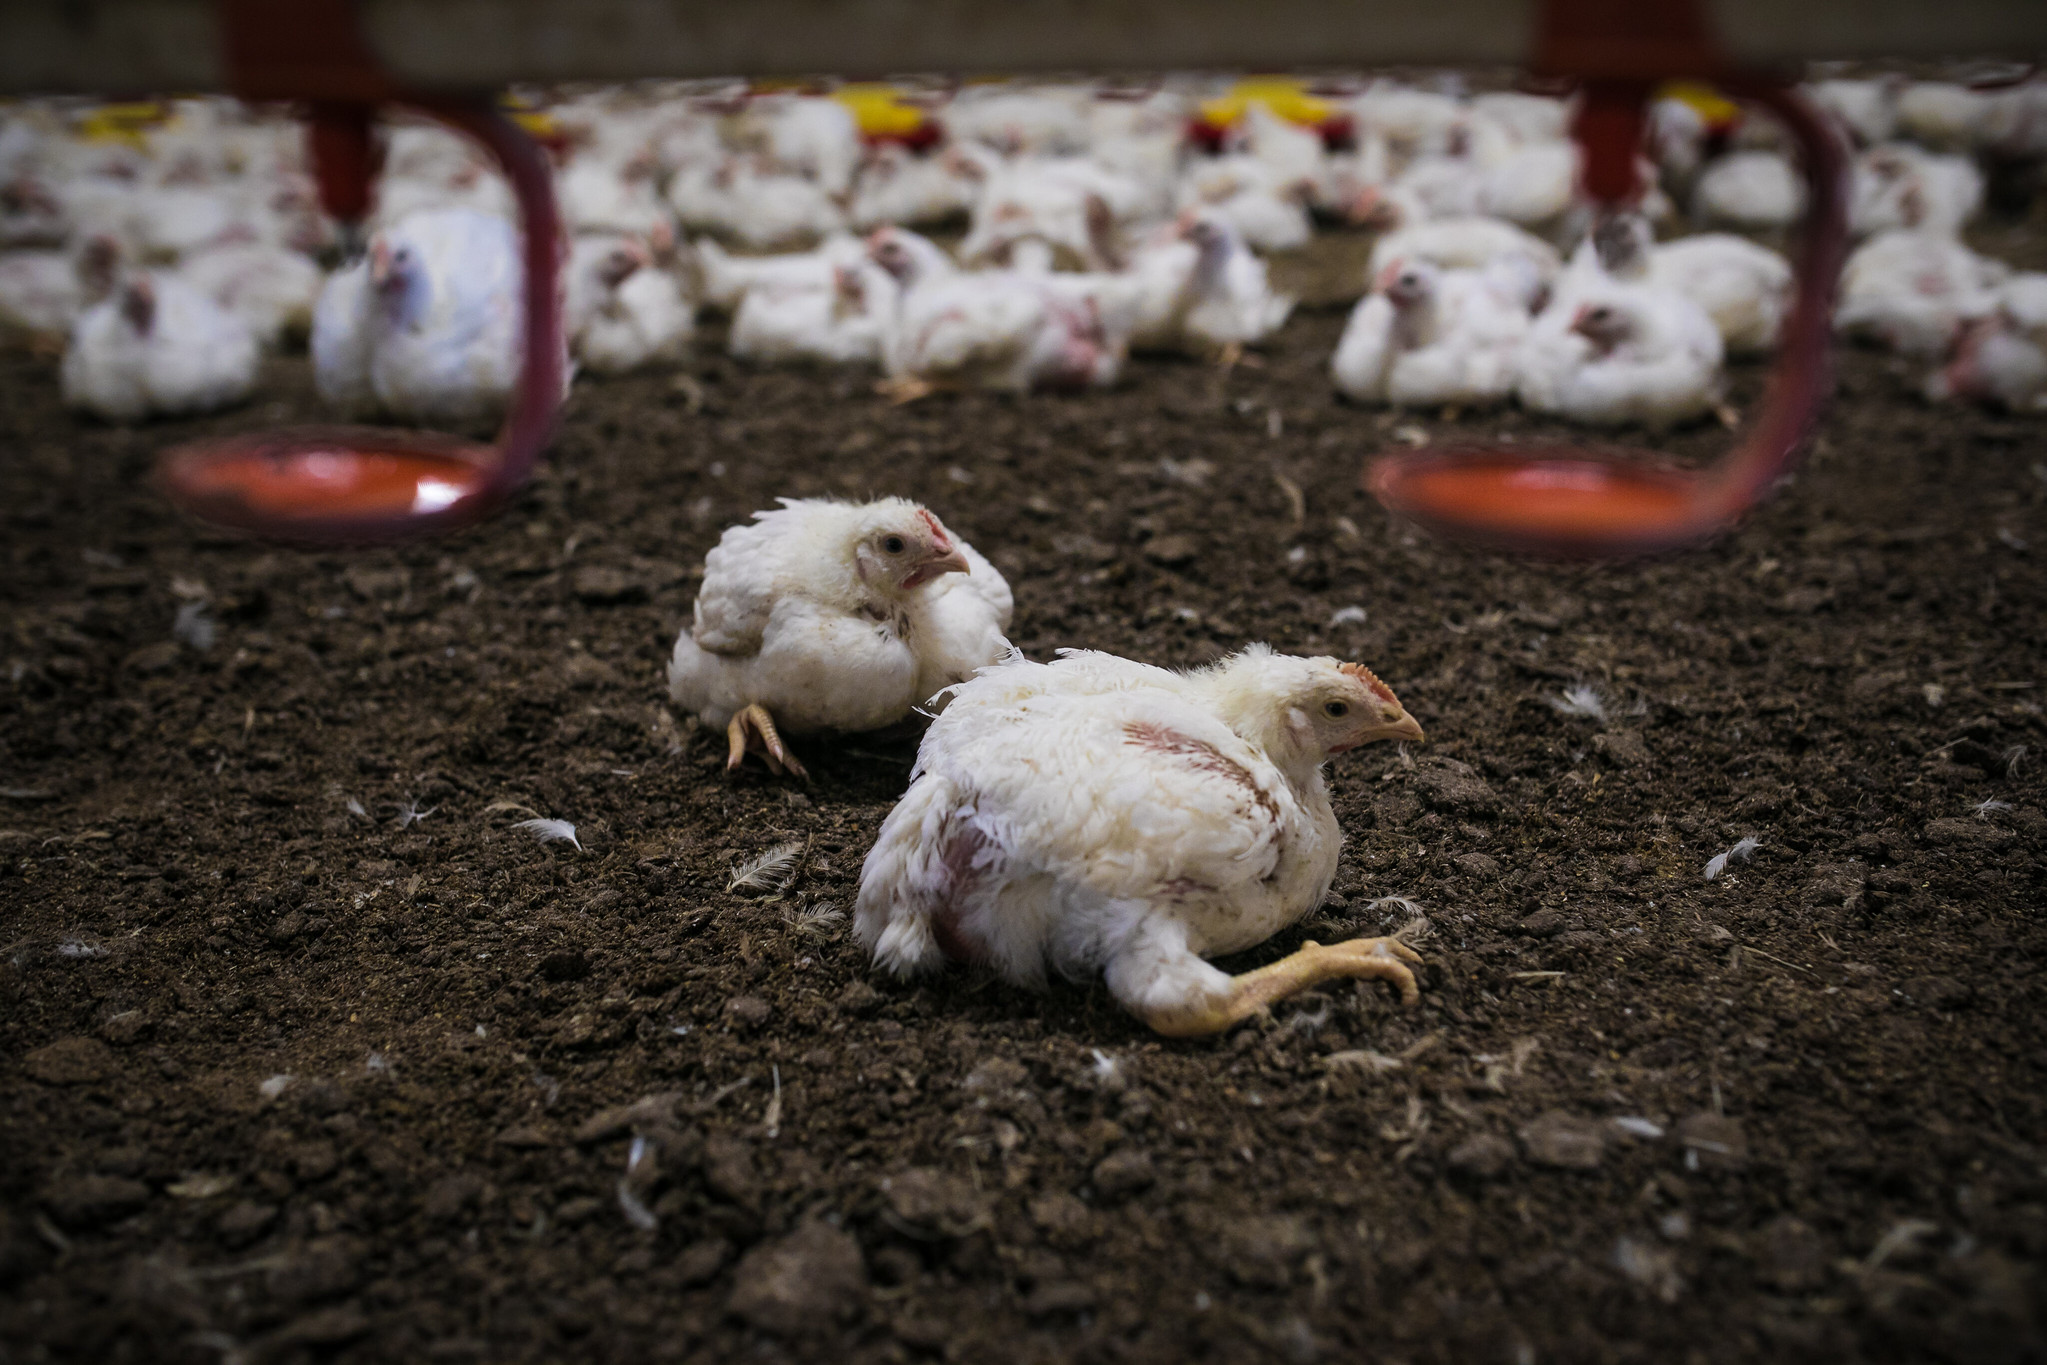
x=994 y=329
x=1427 y=335
x=1098 y=814
x=157 y=346
x=833 y=616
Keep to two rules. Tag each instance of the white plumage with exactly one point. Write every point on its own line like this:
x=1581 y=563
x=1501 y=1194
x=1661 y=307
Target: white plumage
x=271 y=288
x=840 y=321
x=1001 y=329
x=1754 y=191
x=1744 y=287
x=1607 y=353
x=622 y=311
x=1096 y=814
x=1429 y=336
x=834 y=616
x=429 y=326
x=157 y=346
x=2001 y=359
x=1912 y=291
x=724 y=278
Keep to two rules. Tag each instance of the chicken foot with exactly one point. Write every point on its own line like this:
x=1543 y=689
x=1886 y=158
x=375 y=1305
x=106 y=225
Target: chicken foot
x=1253 y=991
x=753 y=728
x=904 y=389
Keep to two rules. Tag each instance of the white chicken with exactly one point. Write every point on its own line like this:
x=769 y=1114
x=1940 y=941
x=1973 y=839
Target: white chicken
x=1429 y=336
x=42 y=292
x=2001 y=359
x=1745 y=288
x=1069 y=203
x=1899 y=186
x=1456 y=243
x=1943 y=114
x=841 y=322
x=157 y=346
x=1048 y=120
x=1002 y=330
x=826 y=615
x=622 y=311
x=1609 y=353
x=724 y=279
x=270 y=288
x=902 y=188
x=428 y=326
x=1866 y=108
x=753 y=201
x=1096 y=814
x=1913 y=291
x=1750 y=191
x=597 y=196
x=1268 y=212
x=1203 y=292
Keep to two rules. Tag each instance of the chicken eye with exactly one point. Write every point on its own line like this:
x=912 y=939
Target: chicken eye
x=1336 y=710
x=893 y=544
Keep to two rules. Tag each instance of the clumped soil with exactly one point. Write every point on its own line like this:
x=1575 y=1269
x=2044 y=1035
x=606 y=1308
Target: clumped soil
x=309 y=1054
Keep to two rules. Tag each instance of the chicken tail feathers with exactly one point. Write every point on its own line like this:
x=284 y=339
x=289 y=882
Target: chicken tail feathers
x=906 y=882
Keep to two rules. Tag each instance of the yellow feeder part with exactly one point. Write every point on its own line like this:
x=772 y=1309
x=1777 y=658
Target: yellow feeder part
x=128 y=123
x=537 y=123
x=1288 y=99
x=1719 y=112
x=880 y=110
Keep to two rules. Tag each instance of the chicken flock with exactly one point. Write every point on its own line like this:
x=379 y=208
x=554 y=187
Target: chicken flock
x=166 y=247
x=1093 y=814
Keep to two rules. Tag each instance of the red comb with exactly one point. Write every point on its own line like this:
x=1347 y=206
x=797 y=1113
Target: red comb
x=1371 y=680
x=940 y=541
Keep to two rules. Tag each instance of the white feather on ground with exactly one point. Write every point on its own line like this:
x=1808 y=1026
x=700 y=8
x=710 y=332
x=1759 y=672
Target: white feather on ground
x=1743 y=853
x=551 y=832
x=770 y=871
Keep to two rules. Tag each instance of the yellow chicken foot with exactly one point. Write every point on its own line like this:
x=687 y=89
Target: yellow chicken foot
x=1311 y=966
x=753 y=727
x=904 y=389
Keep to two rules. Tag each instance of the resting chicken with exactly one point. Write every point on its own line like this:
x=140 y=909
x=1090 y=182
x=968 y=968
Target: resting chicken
x=827 y=615
x=1098 y=814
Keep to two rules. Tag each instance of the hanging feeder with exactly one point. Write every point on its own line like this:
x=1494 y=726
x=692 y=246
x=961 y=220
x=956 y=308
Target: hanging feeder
x=1570 y=502
x=355 y=484
x=344 y=59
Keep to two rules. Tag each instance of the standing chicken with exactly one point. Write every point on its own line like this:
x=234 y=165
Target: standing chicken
x=834 y=616
x=1097 y=814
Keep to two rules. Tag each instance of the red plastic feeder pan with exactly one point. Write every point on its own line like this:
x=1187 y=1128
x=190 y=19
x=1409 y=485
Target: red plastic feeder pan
x=1571 y=503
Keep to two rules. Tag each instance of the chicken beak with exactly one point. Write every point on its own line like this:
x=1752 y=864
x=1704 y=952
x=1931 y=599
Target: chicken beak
x=1406 y=728
x=380 y=263
x=952 y=561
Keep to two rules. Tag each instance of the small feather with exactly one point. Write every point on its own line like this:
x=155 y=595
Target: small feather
x=771 y=871
x=551 y=832
x=1743 y=852
x=1582 y=700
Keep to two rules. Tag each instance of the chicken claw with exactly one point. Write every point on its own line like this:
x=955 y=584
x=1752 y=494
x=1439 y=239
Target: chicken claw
x=753 y=727
x=1311 y=966
x=904 y=389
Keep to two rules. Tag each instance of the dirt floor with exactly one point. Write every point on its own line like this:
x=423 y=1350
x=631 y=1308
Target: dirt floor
x=307 y=1054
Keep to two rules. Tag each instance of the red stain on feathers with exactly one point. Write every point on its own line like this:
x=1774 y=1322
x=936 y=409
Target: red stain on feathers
x=961 y=848
x=1202 y=755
